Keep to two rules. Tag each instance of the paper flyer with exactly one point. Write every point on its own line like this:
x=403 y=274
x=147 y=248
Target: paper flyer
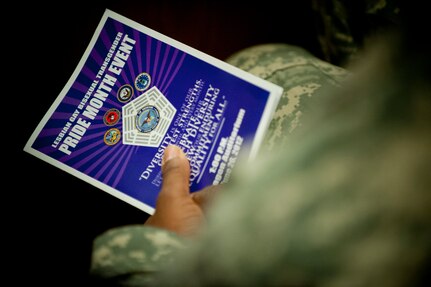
x=134 y=92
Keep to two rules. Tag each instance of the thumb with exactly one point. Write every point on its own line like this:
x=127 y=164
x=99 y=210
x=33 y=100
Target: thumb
x=175 y=209
x=176 y=172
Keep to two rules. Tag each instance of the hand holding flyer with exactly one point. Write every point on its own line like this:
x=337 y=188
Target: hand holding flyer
x=135 y=92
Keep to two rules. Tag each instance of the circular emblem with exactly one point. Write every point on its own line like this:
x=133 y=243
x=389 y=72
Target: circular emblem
x=111 y=117
x=147 y=119
x=142 y=81
x=125 y=93
x=112 y=136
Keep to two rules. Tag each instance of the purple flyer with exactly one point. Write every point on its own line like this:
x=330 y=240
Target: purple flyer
x=136 y=91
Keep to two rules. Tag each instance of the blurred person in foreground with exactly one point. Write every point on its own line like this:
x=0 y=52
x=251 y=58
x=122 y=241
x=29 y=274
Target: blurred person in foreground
x=340 y=195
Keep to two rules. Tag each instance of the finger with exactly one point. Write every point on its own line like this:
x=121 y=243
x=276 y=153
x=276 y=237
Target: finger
x=176 y=172
x=205 y=196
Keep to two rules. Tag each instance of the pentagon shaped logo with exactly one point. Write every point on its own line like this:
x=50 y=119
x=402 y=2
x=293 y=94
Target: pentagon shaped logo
x=146 y=119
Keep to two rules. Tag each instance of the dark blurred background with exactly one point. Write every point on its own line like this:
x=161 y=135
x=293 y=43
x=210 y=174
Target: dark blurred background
x=51 y=217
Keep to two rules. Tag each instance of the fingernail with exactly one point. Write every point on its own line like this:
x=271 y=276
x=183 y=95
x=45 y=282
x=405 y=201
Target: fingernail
x=171 y=152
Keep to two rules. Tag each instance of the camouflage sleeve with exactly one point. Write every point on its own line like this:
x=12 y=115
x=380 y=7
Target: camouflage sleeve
x=302 y=75
x=131 y=255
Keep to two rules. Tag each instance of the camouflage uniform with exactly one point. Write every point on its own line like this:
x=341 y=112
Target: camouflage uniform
x=341 y=201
